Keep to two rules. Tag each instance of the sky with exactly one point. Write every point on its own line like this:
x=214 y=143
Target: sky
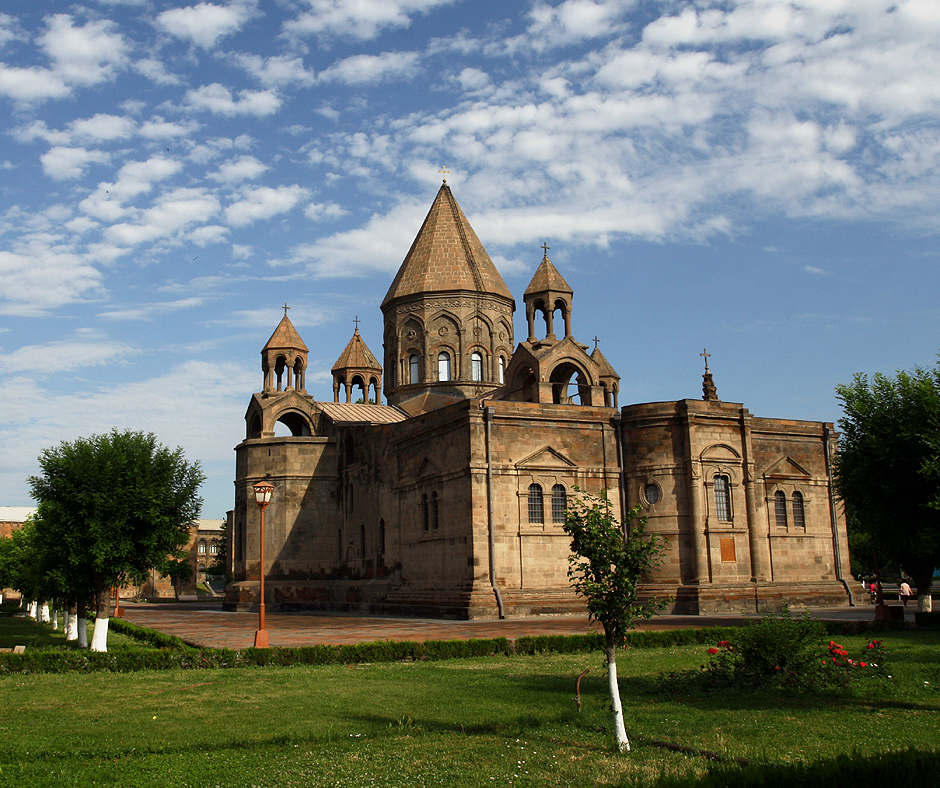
x=756 y=178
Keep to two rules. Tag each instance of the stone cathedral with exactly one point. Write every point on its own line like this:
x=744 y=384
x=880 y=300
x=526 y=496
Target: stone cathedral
x=449 y=499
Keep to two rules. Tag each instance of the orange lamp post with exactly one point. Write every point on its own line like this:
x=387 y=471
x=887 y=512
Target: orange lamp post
x=263 y=491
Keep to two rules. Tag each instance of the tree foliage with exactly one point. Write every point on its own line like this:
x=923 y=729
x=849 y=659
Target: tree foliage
x=888 y=468
x=110 y=508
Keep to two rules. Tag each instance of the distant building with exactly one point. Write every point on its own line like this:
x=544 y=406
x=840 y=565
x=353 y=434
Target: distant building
x=449 y=500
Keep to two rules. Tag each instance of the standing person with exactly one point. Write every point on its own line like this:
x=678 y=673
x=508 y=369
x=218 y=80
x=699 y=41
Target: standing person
x=906 y=592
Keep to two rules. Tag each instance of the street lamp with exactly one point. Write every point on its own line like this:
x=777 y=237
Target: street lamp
x=263 y=492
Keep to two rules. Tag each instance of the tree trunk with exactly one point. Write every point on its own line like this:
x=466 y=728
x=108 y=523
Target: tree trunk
x=71 y=621
x=44 y=612
x=55 y=616
x=620 y=733
x=99 y=640
x=923 y=579
x=82 y=624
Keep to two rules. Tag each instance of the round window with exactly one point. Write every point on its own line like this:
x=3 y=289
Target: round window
x=651 y=493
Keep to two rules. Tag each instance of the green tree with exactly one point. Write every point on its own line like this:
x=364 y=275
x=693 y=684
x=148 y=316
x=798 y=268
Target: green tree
x=606 y=566
x=888 y=469
x=111 y=507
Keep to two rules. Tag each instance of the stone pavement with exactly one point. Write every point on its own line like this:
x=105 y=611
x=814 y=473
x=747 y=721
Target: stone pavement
x=207 y=625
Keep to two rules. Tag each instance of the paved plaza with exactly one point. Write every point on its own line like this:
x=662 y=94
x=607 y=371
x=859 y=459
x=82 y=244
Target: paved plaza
x=207 y=625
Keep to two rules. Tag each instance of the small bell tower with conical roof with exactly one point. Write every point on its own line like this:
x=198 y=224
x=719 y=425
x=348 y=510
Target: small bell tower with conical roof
x=547 y=293
x=284 y=359
x=357 y=366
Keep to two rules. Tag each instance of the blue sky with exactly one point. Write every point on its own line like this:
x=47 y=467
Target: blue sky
x=758 y=178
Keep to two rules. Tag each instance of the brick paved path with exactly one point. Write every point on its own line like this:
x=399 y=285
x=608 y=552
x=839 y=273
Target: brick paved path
x=209 y=626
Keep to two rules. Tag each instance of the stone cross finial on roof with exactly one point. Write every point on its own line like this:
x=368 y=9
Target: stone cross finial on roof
x=444 y=170
x=596 y=340
x=285 y=308
x=357 y=321
x=709 y=391
x=545 y=248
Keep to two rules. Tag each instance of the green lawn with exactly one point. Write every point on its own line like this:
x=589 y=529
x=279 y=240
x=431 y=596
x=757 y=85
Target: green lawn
x=473 y=722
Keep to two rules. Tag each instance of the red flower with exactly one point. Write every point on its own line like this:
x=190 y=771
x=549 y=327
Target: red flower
x=863 y=664
x=713 y=651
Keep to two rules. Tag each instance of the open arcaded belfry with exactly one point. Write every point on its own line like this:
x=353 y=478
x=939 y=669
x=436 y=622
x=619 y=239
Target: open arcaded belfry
x=449 y=499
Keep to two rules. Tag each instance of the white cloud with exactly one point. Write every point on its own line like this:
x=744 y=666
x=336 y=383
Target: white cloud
x=103 y=127
x=316 y=211
x=263 y=202
x=278 y=71
x=243 y=168
x=40 y=273
x=370 y=69
x=159 y=129
x=218 y=99
x=80 y=57
x=205 y=23
x=170 y=215
x=61 y=163
x=86 y=349
x=362 y=19
x=84 y=55
x=149 y=311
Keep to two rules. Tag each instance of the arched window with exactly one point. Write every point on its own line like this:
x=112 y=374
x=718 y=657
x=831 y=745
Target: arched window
x=780 y=508
x=202 y=547
x=559 y=503
x=476 y=366
x=723 y=498
x=536 y=507
x=413 y=369
x=502 y=369
x=214 y=548
x=443 y=365
x=425 y=513
x=799 y=515
x=434 y=512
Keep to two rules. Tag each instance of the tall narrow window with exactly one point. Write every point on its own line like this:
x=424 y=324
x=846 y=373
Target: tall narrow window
x=362 y=541
x=413 y=369
x=723 y=498
x=536 y=506
x=434 y=519
x=425 y=514
x=502 y=369
x=381 y=536
x=780 y=508
x=559 y=503
x=476 y=366
x=799 y=515
x=443 y=365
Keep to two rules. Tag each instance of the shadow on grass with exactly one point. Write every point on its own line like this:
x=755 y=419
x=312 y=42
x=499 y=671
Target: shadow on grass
x=910 y=768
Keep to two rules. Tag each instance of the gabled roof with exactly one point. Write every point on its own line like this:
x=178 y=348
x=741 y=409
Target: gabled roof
x=547 y=279
x=446 y=255
x=605 y=370
x=356 y=356
x=285 y=337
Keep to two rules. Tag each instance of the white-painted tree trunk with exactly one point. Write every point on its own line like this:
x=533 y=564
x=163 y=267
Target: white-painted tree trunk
x=924 y=603
x=55 y=617
x=44 y=616
x=34 y=610
x=99 y=639
x=82 y=632
x=71 y=625
x=620 y=732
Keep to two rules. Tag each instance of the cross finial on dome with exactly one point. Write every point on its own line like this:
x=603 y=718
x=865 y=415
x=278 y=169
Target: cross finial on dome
x=545 y=248
x=285 y=308
x=444 y=170
x=706 y=355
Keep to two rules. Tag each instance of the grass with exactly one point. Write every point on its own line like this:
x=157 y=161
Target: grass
x=23 y=631
x=471 y=722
